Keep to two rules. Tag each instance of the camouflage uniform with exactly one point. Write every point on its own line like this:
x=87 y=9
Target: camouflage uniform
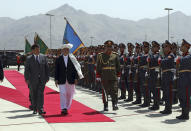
x=108 y=69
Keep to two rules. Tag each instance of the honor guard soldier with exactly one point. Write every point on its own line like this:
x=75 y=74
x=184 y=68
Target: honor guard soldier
x=108 y=72
x=128 y=72
x=1 y=72
x=136 y=76
x=167 y=66
x=184 y=70
x=91 y=66
x=143 y=82
x=153 y=74
x=175 y=51
x=122 y=82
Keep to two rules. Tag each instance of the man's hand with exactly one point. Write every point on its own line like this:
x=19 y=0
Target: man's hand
x=56 y=83
x=27 y=81
x=76 y=82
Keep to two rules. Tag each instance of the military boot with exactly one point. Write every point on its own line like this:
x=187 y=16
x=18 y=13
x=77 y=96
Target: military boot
x=167 y=110
x=138 y=100
x=184 y=115
x=146 y=103
x=130 y=97
x=115 y=107
x=121 y=97
x=105 y=106
x=154 y=107
x=175 y=100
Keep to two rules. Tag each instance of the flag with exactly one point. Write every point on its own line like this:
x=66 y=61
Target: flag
x=70 y=36
x=40 y=42
x=27 y=46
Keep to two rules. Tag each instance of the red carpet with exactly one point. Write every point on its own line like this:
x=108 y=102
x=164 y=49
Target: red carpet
x=14 y=96
x=77 y=113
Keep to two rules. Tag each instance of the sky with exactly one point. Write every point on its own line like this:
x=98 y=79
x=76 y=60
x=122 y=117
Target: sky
x=124 y=9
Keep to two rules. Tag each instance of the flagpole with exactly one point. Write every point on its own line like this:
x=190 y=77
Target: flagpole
x=74 y=30
x=35 y=37
x=25 y=44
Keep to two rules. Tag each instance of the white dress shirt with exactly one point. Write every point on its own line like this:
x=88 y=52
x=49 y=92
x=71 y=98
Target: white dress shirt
x=65 y=60
x=36 y=56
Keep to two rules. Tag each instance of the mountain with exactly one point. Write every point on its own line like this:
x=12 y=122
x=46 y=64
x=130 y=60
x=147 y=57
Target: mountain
x=101 y=27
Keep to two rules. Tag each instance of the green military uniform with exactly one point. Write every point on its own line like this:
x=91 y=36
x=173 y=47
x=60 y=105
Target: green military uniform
x=108 y=69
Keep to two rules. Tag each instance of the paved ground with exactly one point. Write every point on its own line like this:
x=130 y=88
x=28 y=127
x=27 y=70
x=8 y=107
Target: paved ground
x=129 y=117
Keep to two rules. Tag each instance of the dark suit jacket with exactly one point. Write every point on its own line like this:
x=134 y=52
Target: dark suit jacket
x=62 y=72
x=34 y=71
x=1 y=71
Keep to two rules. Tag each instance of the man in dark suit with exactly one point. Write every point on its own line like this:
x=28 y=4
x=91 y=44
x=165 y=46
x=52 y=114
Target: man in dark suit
x=36 y=75
x=66 y=77
x=1 y=72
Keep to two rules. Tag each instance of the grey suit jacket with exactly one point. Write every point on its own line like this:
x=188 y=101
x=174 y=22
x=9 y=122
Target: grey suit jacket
x=35 y=71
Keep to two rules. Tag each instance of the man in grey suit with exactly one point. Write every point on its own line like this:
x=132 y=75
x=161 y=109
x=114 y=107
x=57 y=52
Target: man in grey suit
x=36 y=75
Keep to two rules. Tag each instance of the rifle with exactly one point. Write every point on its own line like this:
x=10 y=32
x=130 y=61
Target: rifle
x=137 y=69
x=147 y=72
x=130 y=71
x=177 y=75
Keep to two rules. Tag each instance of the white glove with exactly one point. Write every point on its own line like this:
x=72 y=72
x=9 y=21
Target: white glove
x=123 y=71
x=118 y=78
x=146 y=74
x=98 y=79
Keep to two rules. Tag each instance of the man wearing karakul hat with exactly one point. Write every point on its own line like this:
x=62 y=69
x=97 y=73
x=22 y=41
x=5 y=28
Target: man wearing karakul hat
x=67 y=72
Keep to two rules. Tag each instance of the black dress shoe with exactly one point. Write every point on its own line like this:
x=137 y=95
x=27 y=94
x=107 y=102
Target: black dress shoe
x=183 y=117
x=64 y=111
x=154 y=108
x=41 y=111
x=35 y=111
x=166 y=112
